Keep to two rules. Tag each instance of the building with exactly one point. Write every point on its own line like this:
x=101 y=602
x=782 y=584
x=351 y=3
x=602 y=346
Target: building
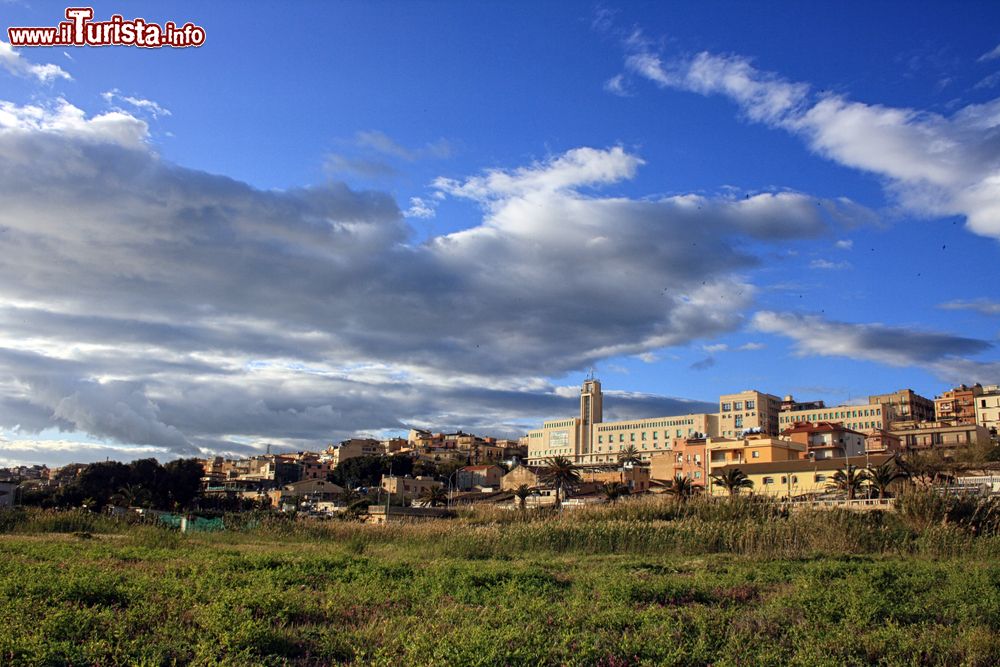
x=988 y=409
x=529 y=476
x=906 y=405
x=687 y=459
x=312 y=490
x=408 y=487
x=860 y=418
x=635 y=477
x=939 y=435
x=748 y=411
x=794 y=478
x=606 y=440
x=826 y=440
x=878 y=441
x=470 y=477
x=752 y=449
x=957 y=406
x=789 y=404
x=353 y=448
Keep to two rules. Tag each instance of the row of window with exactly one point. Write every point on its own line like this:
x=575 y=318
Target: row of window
x=738 y=405
x=642 y=436
x=633 y=427
x=825 y=416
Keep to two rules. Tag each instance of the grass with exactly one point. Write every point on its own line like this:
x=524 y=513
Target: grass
x=644 y=583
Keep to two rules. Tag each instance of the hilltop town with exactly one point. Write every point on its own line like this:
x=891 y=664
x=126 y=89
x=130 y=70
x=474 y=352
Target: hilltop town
x=781 y=447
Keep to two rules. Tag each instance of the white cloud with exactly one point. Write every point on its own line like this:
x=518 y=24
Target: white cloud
x=16 y=64
x=982 y=306
x=62 y=118
x=420 y=208
x=751 y=346
x=827 y=265
x=157 y=306
x=933 y=164
x=717 y=347
x=845 y=244
x=946 y=355
x=616 y=86
x=993 y=54
x=148 y=106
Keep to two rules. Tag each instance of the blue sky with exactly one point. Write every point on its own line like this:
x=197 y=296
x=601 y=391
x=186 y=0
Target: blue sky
x=339 y=218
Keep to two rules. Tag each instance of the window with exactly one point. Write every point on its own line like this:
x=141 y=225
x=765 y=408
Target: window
x=738 y=405
x=738 y=422
x=631 y=437
x=769 y=480
x=820 y=478
x=784 y=480
x=751 y=405
x=655 y=433
x=795 y=479
x=643 y=435
x=726 y=407
x=697 y=474
x=600 y=439
x=621 y=437
x=755 y=454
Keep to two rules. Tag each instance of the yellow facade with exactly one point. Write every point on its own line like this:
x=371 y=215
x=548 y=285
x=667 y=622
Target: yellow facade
x=748 y=410
x=794 y=478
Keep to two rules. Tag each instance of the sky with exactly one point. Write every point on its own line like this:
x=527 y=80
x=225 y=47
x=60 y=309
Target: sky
x=352 y=218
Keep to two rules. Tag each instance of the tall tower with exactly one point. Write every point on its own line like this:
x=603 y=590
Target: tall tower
x=591 y=412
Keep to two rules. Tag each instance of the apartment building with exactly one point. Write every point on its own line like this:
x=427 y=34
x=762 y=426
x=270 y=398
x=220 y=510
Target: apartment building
x=957 y=406
x=988 y=409
x=826 y=440
x=748 y=411
x=470 y=477
x=752 y=449
x=353 y=448
x=856 y=417
x=906 y=405
x=938 y=435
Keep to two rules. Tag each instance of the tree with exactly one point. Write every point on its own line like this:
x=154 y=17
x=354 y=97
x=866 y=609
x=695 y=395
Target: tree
x=561 y=474
x=615 y=490
x=131 y=495
x=882 y=476
x=849 y=480
x=521 y=493
x=368 y=470
x=629 y=455
x=734 y=480
x=681 y=488
x=434 y=496
x=182 y=478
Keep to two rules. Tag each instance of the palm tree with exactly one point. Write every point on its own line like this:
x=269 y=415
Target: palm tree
x=130 y=495
x=615 y=490
x=560 y=472
x=734 y=480
x=849 y=480
x=628 y=456
x=681 y=487
x=434 y=496
x=882 y=476
x=521 y=493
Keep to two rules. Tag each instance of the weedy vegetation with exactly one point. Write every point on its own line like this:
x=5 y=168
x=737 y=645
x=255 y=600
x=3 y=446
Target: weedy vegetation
x=646 y=581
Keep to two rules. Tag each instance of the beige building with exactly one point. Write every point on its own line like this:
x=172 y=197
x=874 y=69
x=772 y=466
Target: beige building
x=602 y=442
x=353 y=448
x=755 y=449
x=748 y=411
x=988 y=409
x=857 y=417
x=906 y=405
x=937 y=435
x=407 y=487
x=529 y=476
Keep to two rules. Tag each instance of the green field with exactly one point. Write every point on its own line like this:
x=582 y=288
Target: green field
x=650 y=582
